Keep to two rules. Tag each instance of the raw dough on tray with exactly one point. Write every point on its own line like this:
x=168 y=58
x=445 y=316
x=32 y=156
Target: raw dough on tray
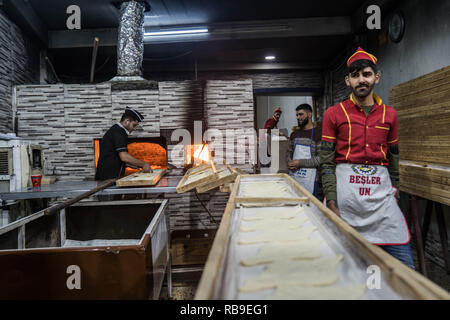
x=269 y=235
x=267 y=213
x=316 y=272
x=265 y=189
x=282 y=251
x=274 y=223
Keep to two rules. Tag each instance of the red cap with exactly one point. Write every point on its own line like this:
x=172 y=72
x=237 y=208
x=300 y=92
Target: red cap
x=278 y=110
x=360 y=54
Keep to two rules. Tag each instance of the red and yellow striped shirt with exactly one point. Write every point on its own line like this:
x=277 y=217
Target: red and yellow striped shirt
x=360 y=139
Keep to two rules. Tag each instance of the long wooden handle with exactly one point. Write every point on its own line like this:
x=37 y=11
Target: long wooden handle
x=69 y=202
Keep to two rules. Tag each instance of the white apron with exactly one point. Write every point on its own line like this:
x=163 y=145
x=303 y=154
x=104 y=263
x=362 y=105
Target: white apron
x=366 y=201
x=304 y=176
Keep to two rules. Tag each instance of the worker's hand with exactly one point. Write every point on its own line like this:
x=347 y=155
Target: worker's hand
x=333 y=206
x=294 y=165
x=146 y=168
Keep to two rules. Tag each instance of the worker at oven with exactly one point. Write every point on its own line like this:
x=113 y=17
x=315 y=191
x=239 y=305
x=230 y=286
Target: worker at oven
x=114 y=151
x=359 y=161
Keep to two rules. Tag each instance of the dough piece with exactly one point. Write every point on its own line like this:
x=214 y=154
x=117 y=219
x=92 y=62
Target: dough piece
x=291 y=291
x=265 y=189
x=271 y=234
x=316 y=272
x=285 y=224
x=282 y=251
x=267 y=213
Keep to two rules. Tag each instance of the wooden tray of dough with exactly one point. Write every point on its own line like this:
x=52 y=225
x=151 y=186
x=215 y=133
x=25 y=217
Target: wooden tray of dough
x=140 y=179
x=396 y=277
x=225 y=174
x=195 y=177
x=275 y=190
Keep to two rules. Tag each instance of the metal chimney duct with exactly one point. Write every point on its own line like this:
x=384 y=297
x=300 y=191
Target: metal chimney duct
x=130 y=46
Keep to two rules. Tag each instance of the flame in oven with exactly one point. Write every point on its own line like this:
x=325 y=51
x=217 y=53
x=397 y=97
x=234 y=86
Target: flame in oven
x=201 y=152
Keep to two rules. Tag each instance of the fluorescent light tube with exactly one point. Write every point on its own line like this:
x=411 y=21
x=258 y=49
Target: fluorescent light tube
x=175 y=32
x=270 y=57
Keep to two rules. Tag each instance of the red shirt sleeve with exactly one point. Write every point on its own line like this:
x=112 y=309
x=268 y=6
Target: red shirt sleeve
x=270 y=124
x=392 y=138
x=329 y=132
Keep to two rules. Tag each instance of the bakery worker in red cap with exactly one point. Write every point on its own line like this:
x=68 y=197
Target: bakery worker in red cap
x=359 y=161
x=114 y=151
x=270 y=124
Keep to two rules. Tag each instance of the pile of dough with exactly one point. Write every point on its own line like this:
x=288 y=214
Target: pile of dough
x=265 y=189
x=289 y=291
x=281 y=224
x=267 y=213
x=316 y=272
x=280 y=251
x=269 y=235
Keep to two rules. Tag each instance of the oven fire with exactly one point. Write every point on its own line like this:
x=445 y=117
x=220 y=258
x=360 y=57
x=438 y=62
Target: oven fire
x=196 y=155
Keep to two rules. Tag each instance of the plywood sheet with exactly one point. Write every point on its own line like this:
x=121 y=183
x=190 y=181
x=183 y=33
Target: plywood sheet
x=423 y=109
x=140 y=179
x=195 y=177
x=225 y=174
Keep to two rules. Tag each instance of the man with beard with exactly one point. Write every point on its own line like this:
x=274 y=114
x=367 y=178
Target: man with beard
x=303 y=152
x=359 y=161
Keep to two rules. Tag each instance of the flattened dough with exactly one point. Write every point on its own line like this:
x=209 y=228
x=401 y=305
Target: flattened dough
x=265 y=189
x=285 y=224
x=269 y=235
x=268 y=213
x=290 y=291
x=316 y=272
x=281 y=251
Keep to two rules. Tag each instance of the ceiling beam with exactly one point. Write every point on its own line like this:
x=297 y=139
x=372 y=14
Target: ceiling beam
x=307 y=27
x=234 y=67
x=23 y=14
x=81 y=38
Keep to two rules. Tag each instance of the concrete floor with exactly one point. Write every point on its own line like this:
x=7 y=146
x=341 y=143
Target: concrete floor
x=184 y=283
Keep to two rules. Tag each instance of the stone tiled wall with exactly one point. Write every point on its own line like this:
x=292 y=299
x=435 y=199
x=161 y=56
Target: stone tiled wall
x=19 y=63
x=229 y=109
x=65 y=119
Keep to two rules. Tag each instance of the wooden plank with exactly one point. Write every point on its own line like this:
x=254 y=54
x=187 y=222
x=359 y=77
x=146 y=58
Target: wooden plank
x=425 y=95
x=195 y=177
x=422 y=89
x=225 y=174
x=423 y=106
x=226 y=188
x=413 y=84
x=424 y=194
x=216 y=255
x=140 y=179
x=400 y=277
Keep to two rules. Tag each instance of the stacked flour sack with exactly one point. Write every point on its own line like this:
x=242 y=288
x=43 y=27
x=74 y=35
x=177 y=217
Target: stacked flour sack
x=294 y=264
